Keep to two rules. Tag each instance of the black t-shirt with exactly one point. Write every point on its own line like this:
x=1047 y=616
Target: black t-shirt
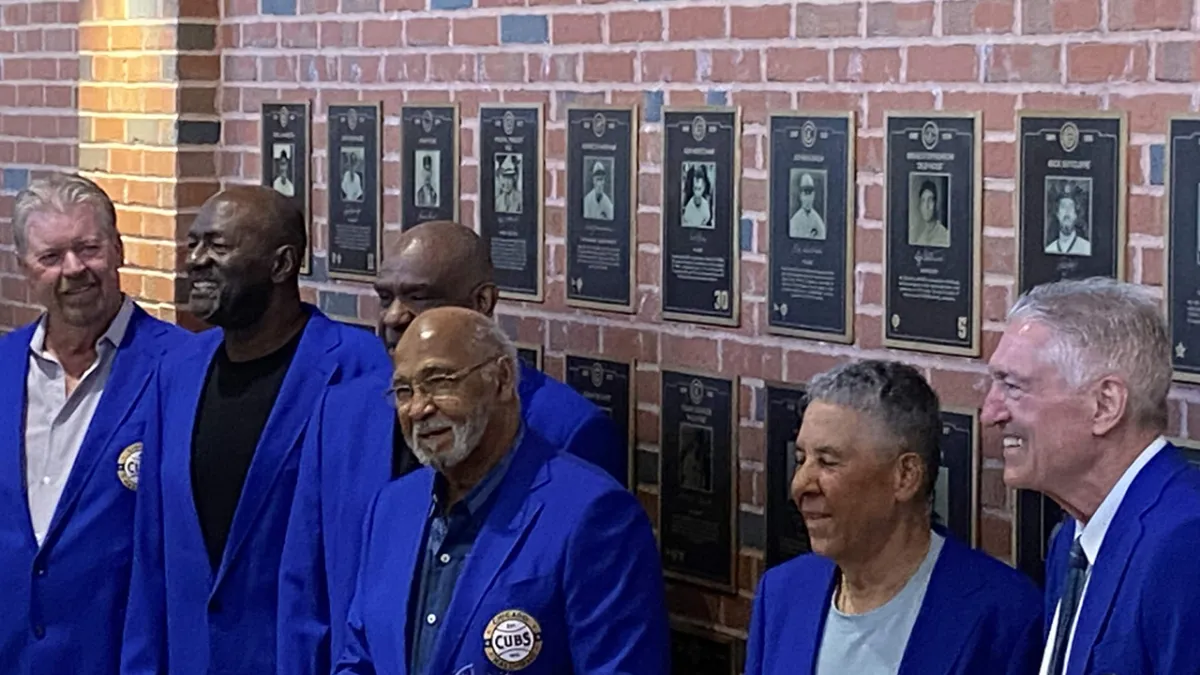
x=235 y=405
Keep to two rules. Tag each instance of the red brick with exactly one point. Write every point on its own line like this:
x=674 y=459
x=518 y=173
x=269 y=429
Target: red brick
x=339 y=34
x=636 y=26
x=998 y=109
x=894 y=19
x=570 y=335
x=421 y=32
x=1148 y=113
x=756 y=106
x=355 y=69
x=957 y=388
x=730 y=65
x=797 y=64
x=824 y=21
x=569 y=29
x=1060 y=16
x=735 y=612
x=1104 y=62
x=881 y=102
x=690 y=352
x=756 y=23
x=959 y=63
x=502 y=67
x=554 y=67
x=995 y=303
x=999 y=160
x=1145 y=215
x=608 y=67
x=1150 y=15
x=995 y=536
x=1177 y=61
x=696 y=23
x=1024 y=63
x=870 y=288
x=646 y=424
x=630 y=343
x=452 y=68
x=1151 y=263
x=381 y=34
x=477 y=31
x=404 y=68
x=1060 y=101
x=802 y=365
x=828 y=100
x=882 y=64
x=748 y=360
x=669 y=66
x=968 y=17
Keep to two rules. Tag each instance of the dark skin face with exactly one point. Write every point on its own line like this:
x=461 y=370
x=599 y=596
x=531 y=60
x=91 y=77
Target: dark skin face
x=236 y=258
x=429 y=267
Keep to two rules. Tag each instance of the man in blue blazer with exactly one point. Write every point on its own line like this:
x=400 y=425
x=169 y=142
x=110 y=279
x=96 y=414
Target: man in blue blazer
x=232 y=411
x=883 y=591
x=505 y=552
x=353 y=448
x=72 y=424
x=1079 y=390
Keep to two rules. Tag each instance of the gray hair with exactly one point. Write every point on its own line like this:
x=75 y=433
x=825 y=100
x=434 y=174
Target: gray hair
x=895 y=395
x=508 y=348
x=60 y=192
x=1102 y=326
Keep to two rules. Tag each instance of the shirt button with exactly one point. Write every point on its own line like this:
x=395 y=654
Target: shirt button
x=445 y=558
x=431 y=619
x=45 y=480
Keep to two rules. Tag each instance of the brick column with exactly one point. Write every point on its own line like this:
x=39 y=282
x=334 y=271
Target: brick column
x=149 y=129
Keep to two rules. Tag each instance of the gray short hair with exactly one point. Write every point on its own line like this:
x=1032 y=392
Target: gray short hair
x=60 y=192
x=1102 y=326
x=894 y=394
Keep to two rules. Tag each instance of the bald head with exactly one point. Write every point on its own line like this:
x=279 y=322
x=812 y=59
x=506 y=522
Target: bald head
x=435 y=264
x=453 y=333
x=260 y=212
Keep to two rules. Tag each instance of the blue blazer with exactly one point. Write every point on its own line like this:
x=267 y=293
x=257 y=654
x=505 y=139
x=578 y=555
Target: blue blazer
x=64 y=603
x=1142 y=607
x=563 y=543
x=979 y=617
x=183 y=618
x=346 y=459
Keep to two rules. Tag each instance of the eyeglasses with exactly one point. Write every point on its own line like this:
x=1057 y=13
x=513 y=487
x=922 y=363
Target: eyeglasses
x=437 y=387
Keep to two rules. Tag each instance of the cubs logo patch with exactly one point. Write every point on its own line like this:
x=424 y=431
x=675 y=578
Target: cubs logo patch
x=512 y=640
x=129 y=465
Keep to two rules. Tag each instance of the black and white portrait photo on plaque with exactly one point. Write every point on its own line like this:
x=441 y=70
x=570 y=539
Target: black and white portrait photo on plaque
x=352 y=164
x=282 y=168
x=695 y=457
x=698 y=196
x=806 y=203
x=598 y=203
x=928 y=204
x=1068 y=207
x=509 y=172
x=429 y=165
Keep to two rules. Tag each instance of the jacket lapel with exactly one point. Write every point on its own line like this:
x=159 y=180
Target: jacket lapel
x=408 y=546
x=14 y=499
x=947 y=617
x=515 y=511
x=806 y=621
x=1113 y=560
x=308 y=374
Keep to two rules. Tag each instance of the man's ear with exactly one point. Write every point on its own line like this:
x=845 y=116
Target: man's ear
x=506 y=379
x=1112 y=404
x=286 y=264
x=484 y=298
x=910 y=476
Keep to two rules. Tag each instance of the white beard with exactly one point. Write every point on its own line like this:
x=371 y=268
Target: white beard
x=466 y=439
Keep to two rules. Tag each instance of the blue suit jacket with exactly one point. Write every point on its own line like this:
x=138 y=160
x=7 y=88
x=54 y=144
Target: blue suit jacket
x=979 y=617
x=46 y=626
x=1142 y=607
x=563 y=543
x=182 y=617
x=346 y=459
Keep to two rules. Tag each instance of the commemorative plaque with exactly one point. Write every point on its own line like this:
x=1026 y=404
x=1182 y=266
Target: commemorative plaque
x=811 y=250
x=1071 y=197
x=510 y=205
x=697 y=480
x=1183 y=246
x=933 y=236
x=601 y=207
x=700 y=254
x=608 y=384
x=955 y=491
x=286 y=145
x=428 y=164
x=355 y=222
x=701 y=652
x=1034 y=525
x=530 y=354
x=787 y=537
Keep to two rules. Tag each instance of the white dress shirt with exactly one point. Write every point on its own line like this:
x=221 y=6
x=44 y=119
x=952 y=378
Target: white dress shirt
x=1091 y=536
x=56 y=424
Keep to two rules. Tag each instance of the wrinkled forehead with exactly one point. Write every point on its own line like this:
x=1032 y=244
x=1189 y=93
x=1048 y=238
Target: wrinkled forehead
x=1023 y=350
x=418 y=263
x=444 y=346
x=51 y=227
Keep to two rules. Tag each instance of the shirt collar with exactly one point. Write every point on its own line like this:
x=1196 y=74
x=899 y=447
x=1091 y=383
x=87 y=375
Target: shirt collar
x=112 y=337
x=1091 y=536
x=478 y=497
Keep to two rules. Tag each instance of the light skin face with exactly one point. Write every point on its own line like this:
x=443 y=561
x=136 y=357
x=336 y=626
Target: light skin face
x=928 y=204
x=1066 y=217
x=850 y=485
x=72 y=264
x=807 y=196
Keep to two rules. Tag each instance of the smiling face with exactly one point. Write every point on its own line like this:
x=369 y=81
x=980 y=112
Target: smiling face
x=928 y=205
x=1047 y=425
x=72 y=264
x=1066 y=216
x=229 y=265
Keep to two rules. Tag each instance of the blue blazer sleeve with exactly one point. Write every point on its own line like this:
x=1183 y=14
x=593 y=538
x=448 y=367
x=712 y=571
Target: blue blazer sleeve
x=144 y=649
x=1170 y=605
x=754 y=641
x=615 y=602
x=598 y=440
x=355 y=658
x=303 y=623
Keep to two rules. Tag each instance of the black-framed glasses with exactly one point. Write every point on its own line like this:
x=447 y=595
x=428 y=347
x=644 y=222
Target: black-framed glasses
x=436 y=387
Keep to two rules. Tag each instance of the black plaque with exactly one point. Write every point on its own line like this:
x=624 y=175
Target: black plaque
x=698 y=479
x=1183 y=246
x=530 y=354
x=702 y=652
x=510 y=203
x=1071 y=196
x=286 y=147
x=955 y=491
x=700 y=254
x=787 y=537
x=601 y=208
x=811 y=249
x=608 y=384
x=429 y=163
x=1034 y=525
x=933 y=234
x=355 y=216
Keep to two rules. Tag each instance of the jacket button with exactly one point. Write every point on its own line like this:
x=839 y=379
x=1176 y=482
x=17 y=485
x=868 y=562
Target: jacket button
x=40 y=571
